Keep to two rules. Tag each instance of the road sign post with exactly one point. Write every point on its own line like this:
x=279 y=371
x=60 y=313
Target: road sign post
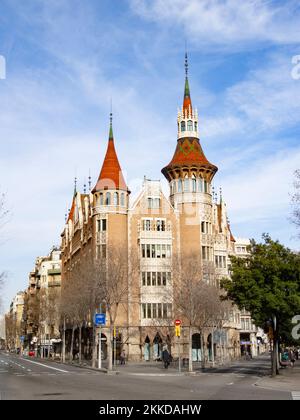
x=99 y=320
x=177 y=333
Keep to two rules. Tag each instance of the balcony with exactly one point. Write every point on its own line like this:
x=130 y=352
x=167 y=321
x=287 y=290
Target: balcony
x=54 y=271
x=154 y=234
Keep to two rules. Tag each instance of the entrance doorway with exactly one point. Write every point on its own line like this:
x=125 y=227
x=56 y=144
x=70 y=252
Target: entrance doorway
x=196 y=347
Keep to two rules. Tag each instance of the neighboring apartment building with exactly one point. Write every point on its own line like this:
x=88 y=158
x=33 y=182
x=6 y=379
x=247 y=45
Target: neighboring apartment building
x=41 y=310
x=14 y=323
x=156 y=228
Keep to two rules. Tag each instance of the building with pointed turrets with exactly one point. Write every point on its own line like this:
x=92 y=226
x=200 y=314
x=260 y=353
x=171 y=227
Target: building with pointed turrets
x=151 y=231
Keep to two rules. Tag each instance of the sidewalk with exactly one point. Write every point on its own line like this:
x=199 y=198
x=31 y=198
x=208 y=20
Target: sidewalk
x=287 y=380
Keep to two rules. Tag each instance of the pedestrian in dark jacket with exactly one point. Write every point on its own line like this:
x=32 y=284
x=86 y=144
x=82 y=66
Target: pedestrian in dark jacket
x=166 y=358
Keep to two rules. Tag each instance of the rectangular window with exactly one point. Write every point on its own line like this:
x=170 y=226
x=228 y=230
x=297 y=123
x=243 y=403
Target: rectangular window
x=169 y=277
x=164 y=279
x=159 y=310
x=154 y=311
x=165 y=310
x=169 y=314
x=186 y=185
x=148 y=251
x=194 y=184
x=204 y=253
x=148 y=310
x=150 y=203
x=160 y=225
x=147 y=224
x=103 y=251
x=158 y=279
x=224 y=262
x=103 y=225
x=217 y=261
x=163 y=251
x=143 y=251
x=200 y=185
x=144 y=310
x=158 y=251
x=153 y=251
x=203 y=227
x=153 y=278
x=168 y=251
x=148 y=278
x=205 y=186
x=143 y=278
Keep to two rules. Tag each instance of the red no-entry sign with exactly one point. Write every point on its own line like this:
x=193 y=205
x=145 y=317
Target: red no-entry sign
x=177 y=322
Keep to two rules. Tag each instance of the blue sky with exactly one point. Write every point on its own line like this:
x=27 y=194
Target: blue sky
x=66 y=59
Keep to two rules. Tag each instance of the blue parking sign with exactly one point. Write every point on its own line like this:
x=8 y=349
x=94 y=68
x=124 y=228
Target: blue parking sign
x=99 y=319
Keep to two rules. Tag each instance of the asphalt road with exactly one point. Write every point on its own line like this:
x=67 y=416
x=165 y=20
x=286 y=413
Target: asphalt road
x=28 y=379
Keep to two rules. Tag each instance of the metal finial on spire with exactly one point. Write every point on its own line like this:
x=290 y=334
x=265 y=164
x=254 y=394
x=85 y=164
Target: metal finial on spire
x=186 y=64
x=75 y=185
x=90 y=180
x=111 y=136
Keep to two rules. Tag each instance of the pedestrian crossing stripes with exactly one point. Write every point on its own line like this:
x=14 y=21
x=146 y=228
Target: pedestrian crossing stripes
x=296 y=395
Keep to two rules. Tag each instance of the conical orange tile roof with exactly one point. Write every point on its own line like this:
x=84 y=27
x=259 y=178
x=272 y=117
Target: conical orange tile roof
x=111 y=176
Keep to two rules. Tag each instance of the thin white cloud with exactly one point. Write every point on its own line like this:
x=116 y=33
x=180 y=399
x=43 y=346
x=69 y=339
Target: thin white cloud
x=222 y=23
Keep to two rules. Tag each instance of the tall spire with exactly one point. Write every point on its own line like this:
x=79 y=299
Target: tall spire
x=187 y=102
x=111 y=176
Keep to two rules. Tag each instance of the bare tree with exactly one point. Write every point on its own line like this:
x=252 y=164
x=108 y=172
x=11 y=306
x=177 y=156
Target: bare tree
x=112 y=274
x=195 y=300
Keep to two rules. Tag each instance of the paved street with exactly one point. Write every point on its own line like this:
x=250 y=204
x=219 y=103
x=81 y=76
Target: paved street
x=24 y=378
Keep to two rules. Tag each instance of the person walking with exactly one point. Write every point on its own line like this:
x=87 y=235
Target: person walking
x=166 y=357
x=292 y=357
x=122 y=357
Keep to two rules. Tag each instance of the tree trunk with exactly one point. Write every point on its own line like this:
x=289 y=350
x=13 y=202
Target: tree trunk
x=212 y=348
x=94 y=347
x=275 y=370
x=72 y=344
x=79 y=356
x=202 y=351
x=64 y=343
x=190 y=350
x=110 y=346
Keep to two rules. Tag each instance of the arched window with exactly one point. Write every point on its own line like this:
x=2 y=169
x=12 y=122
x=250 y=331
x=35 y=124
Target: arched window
x=194 y=184
x=116 y=199
x=182 y=125
x=107 y=199
x=101 y=199
x=186 y=185
x=190 y=125
x=180 y=185
x=196 y=126
x=123 y=199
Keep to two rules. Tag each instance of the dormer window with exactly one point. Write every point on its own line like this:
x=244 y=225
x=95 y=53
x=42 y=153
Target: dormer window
x=182 y=125
x=190 y=125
